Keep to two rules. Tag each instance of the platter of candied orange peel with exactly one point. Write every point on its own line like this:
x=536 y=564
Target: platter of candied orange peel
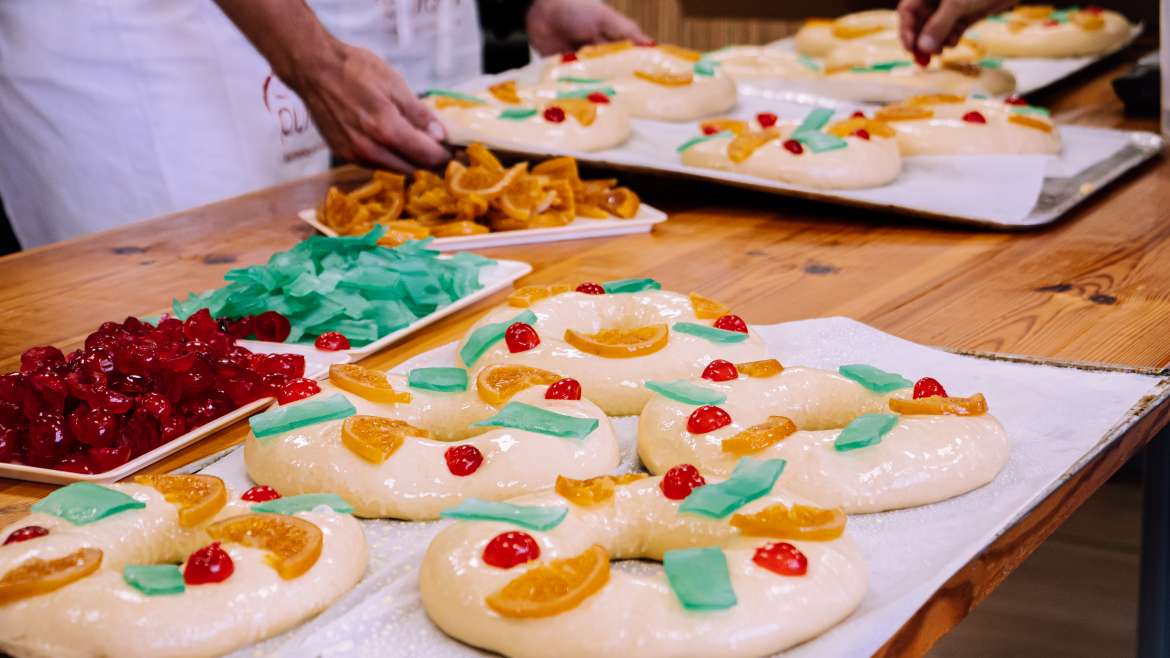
x=479 y=202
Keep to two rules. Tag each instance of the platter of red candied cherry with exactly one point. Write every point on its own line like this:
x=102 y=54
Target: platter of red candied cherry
x=134 y=393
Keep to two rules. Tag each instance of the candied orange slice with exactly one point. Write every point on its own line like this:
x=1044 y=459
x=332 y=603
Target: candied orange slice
x=902 y=113
x=451 y=229
x=796 y=522
x=341 y=213
x=36 y=576
x=496 y=384
x=818 y=22
x=934 y=99
x=744 y=144
x=198 y=497
x=758 y=437
x=1017 y=26
x=666 y=78
x=761 y=368
x=561 y=168
x=444 y=102
x=602 y=49
x=1033 y=12
x=462 y=180
x=401 y=230
x=522 y=198
x=365 y=383
x=552 y=219
x=594 y=490
x=480 y=156
x=853 y=124
x=1087 y=21
x=620 y=343
x=937 y=405
x=621 y=202
x=680 y=52
x=526 y=296
x=583 y=110
x=374 y=438
x=591 y=211
x=293 y=544
x=559 y=199
x=845 y=31
x=1030 y=122
x=553 y=588
x=706 y=308
x=712 y=126
x=505 y=92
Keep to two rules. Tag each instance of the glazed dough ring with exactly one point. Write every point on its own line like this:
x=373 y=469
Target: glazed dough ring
x=636 y=613
x=1006 y=127
x=483 y=118
x=416 y=482
x=921 y=459
x=819 y=37
x=1040 y=31
x=101 y=615
x=746 y=63
x=615 y=384
x=863 y=162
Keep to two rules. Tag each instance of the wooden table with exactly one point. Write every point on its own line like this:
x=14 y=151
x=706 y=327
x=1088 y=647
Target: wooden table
x=1094 y=288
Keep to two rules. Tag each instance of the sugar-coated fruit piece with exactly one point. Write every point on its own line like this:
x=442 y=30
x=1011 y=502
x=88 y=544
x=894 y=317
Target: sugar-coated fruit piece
x=731 y=323
x=521 y=337
x=260 y=493
x=510 y=549
x=564 y=389
x=332 y=341
x=781 y=558
x=210 y=564
x=707 y=418
x=720 y=371
x=928 y=387
x=463 y=460
x=680 y=481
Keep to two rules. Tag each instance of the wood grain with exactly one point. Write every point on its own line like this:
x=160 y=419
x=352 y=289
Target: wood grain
x=1093 y=288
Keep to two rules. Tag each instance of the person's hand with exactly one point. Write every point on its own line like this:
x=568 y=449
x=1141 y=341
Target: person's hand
x=928 y=26
x=557 y=26
x=367 y=113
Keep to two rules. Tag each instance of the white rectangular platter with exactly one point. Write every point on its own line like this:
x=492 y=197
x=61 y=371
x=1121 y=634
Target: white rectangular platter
x=580 y=229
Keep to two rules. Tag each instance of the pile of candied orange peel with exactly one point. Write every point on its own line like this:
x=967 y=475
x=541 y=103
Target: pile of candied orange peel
x=478 y=197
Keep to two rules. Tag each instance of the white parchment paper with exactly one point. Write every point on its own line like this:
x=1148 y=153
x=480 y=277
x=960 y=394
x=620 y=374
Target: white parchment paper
x=1056 y=418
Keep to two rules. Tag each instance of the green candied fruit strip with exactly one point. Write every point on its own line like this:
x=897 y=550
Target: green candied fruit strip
x=630 y=285
x=709 y=333
x=1031 y=110
x=290 y=505
x=819 y=142
x=991 y=63
x=865 y=430
x=702 y=138
x=579 y=81
x=310 y=412
x=516 y=113
x=155 y=579
x=451 y=93
x=705 y=67
x=442 y=380
x=997 y=18
x=882 y=67
x=83 y=503
x=875 y=379
x=483 y=338
x=751 y=479
x=683 y=391
x=699 y=578
x=528 y=418
x=526 y=516
x=815 y=120
x=809 y=63
x=584 y=93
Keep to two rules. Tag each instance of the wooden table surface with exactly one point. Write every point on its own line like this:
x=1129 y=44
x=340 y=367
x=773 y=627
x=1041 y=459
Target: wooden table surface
x=1093 y=288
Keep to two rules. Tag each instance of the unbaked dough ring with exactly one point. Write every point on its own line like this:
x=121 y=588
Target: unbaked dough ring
x=1032 y=31
x=1007 y=127
x=415 y=481
x=101 y=615
x=923 y=459
x=819 y=37
x=615 y=384
x=636 y=612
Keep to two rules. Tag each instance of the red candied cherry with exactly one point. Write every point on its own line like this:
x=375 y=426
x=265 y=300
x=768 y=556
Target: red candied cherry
x=731 y=323
x=156 y=405
x=332 y=341
x=509 y=549
x=172 y=428
x=568 y=57
x=597 y=97
x=590 y=288
x=1051 y=22
x=26 y=533
x=289 y=365
x=1015 y=100
x=766 y=119
x=928 y=387
x=781 y=558
x=271 y=326
x=110 y=457
x=210 y=564
x=861 y=133
x=564 y=389
x=260 y=493
x=112 y=401
x=554 y=114
x=707 y=418
x=39 y=358
x=297 y=389
x=648 y=43
x=93 y=427
x=239 y=328
x=680 y=481
x=794 y=147
x=521 y=337
x=857 y=114
x=974 y=117
x=720 y=371
x=921 y=58
x=78 y=463
x=709 y=129
x=463 y=460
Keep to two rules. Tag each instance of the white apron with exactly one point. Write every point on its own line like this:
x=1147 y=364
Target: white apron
x=113 y=111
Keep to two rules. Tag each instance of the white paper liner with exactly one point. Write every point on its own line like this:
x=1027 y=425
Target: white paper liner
x=1056 y=418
